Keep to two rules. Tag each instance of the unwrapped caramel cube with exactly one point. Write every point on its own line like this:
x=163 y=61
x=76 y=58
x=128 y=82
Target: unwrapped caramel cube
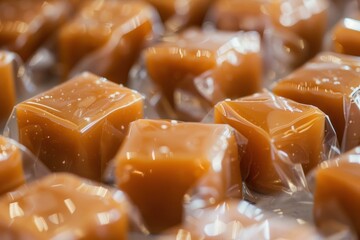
x=63 y=206
x=232 y=61
x=346 y=36
x=26 y=25
x=11 y=166
x=79 y=125
x=7 y=85
x=332 y=83
x=337 y=193
x=106 y=38
x=280 y=133
x=163 y=165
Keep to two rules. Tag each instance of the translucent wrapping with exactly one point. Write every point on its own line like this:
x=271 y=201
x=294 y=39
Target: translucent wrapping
x=63 y=206
x=336 y=192
x=331 y=82
x=168 y=168
x=17 y=165
x=77 y=126
x=106 y=38
x=15 y=84
x=196 y=69
x=240 y=220
x=285 y=140
x=179 y=14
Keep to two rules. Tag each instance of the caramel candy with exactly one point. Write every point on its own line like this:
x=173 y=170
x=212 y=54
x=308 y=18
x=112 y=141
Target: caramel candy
x=11 y=168
x=331 y=82
x=235 y=15
x=163 y=165
x=24 y=31
x=239 y=220
x=305 y=20
x=233 y=59
x=7 y=85
x=346 y=36
x=280 y=134
x=79 y=125
x=106 y=38
x=181 y=13
x=337 y=194
x=63 y=206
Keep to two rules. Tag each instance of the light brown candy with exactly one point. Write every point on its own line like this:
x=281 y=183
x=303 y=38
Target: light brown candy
x=331 y=82
x=280 y=134
x=106 y=38
x=11 y=166
x=163 y=165
x=79 y=125
x=7 y=85
x=346 y=36
x=63 y=206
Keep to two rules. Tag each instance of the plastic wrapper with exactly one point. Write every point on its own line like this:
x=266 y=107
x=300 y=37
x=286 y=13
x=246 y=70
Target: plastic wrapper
x=168 y=168
x=17 y=165
x=179 y=14
x=331 y=82
x=106 y=38
x=240 y=220
x=286 y=140
x=77 y=126
x=15 y=84
x=184 y=75
x=63 y=206
x=336 y=192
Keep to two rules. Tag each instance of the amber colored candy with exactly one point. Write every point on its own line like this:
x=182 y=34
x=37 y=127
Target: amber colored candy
x=7 y=85
x=337 y=193
x=164 y=164
x=11 y=166
x=24 y=31
x=279 y=131
x=233 y=59
x=346 y=36
x=79 y=125
x=63 y=206
x=106 y=38
x=331 y=82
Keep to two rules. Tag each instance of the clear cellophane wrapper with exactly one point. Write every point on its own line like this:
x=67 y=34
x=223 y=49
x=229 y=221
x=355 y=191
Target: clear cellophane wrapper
x=238 y=62
x=285 y=151
x=242 y=220
x=222 y=180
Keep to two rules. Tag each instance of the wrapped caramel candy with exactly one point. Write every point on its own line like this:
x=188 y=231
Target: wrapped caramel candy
x=205 y=67
x=106 y=38
x=63 y=206
x=23 y=30
x=337 y=192
x=166 y=167
x=280 y=135
x=346 y=36
x=79 y=125
x=331 y=82
x=7 y=85
x=11 y=166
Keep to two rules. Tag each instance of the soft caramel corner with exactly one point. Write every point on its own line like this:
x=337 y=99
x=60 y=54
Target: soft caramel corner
x=169 y=120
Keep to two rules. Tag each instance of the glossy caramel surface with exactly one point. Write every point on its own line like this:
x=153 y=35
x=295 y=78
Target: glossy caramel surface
x=331 y=82
x=7 y=85
x=162 y=164
x=71 y=126
x=278 y=130
x=63 y=206
x=346 y=36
